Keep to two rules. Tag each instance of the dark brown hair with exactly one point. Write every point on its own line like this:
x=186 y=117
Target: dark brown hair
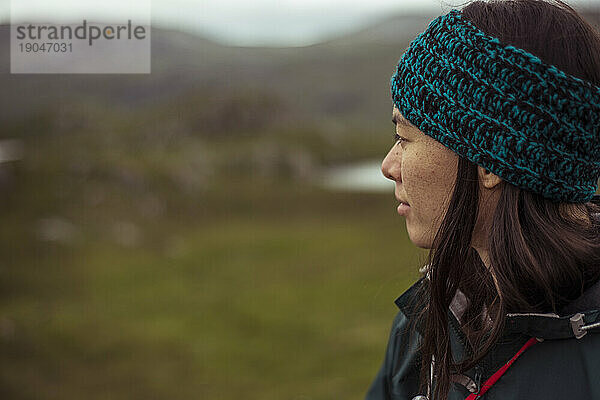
x=542 y=254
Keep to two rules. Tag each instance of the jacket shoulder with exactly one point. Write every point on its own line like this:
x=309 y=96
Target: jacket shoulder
x=554 y=369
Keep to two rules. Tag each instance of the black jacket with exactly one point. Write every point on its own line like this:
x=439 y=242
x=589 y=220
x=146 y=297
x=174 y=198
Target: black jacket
x=564 y=365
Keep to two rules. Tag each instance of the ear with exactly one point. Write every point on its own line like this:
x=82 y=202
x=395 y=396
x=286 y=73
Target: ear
x=487 y=179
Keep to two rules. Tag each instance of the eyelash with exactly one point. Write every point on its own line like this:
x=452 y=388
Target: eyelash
x=398 y=138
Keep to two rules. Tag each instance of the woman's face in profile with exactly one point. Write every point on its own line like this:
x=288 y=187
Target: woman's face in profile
x=424 y=172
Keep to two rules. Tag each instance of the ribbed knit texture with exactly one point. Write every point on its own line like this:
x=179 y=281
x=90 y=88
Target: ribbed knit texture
x=502 y=108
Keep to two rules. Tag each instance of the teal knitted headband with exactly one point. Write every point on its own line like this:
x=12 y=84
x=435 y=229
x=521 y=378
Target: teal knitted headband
x=502 y=108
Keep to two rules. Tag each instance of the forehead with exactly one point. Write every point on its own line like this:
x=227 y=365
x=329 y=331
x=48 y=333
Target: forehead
x=436 y=151
x=408 y=129
x=399 y=120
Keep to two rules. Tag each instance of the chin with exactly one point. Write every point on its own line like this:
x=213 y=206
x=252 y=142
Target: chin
x=422 y=245
x=420 y=240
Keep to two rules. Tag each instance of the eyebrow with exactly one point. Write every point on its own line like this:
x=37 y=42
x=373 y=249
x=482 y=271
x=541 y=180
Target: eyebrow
x=399 y=120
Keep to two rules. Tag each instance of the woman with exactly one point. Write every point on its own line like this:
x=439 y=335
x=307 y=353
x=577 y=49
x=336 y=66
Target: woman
x=496 y=165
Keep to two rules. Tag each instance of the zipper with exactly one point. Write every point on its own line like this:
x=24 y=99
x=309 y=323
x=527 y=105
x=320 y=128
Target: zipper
x=478 y=376
x=463 y=341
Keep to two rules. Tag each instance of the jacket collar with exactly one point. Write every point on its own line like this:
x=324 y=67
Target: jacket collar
x=589 y=300
x=575 y=320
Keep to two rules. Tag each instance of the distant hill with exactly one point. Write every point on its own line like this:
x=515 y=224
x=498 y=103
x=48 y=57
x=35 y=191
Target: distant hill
x=345 y=75
x=343 y=78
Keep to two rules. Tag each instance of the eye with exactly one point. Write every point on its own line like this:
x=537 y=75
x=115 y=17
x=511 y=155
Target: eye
x=398 y=138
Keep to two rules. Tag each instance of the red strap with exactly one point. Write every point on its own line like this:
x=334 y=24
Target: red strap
x=492 y=379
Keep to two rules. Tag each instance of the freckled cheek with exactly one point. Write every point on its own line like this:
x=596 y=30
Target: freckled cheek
x=415 y=167
x=426 y=183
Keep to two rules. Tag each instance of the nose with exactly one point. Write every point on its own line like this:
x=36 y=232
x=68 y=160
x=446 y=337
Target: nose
x=391 y=165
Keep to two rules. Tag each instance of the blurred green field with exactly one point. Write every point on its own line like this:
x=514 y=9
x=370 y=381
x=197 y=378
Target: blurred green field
x=119 y=286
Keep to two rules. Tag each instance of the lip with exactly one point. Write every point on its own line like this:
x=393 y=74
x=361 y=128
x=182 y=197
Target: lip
x=400 y=198
x=403 y=209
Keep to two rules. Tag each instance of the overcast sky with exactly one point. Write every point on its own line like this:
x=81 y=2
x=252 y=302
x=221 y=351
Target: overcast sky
x=240 y=22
